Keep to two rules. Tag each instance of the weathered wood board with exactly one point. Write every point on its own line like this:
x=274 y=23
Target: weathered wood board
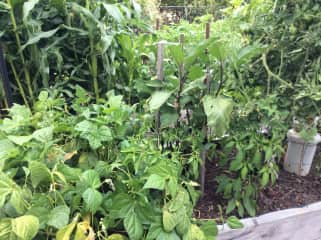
x=292 y=224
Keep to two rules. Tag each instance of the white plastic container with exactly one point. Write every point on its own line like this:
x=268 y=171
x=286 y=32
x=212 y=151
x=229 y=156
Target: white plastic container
x=300 y=154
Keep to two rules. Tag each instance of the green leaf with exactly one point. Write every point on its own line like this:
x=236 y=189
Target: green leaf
x=230 y=206
x=115 y=236
x=183 y=224
x=249 y=206
x=17 y=201
x=265 y=179
x=25 y=227
x=5 y=228
x=194 y=233
x=7 y=151
x=91 y=178
x=28 y=6
x=5 y=190
x=177 y=53
x=169 y=221
x=43 y=135
x=59 y=217
x=39 y=173
x=133 y=226
x=93 y=133
x=234 y=223
x=218 y=111
x=244 y=172
x=65 y=232
x=114 y=11
x=38 y=36
x=41 y=213
x=155 y=181
x=19 y=140
x=157 y=99
x=209 y=228
x=93 y=199
x=168 y=236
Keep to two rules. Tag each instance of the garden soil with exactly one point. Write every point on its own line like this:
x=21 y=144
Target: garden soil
x=289 y=191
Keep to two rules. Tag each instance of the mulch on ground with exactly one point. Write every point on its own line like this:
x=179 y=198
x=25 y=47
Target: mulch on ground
x=290 y=191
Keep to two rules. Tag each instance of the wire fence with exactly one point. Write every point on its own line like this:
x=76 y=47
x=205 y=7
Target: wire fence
x=188 y=13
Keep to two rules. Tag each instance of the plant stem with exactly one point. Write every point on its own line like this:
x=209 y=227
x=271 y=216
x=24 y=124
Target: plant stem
x=271 y=74
x=221 y=77
x=93 y=57
x=16 y=77
x=26 y=72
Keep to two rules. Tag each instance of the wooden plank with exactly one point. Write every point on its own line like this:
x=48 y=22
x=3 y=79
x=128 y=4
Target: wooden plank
x=291 y=224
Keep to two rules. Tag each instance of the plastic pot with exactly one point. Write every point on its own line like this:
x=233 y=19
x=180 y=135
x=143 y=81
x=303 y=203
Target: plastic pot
x=300 y=153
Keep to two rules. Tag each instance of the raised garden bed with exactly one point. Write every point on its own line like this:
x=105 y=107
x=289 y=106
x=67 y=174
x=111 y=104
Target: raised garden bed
x=294 y=224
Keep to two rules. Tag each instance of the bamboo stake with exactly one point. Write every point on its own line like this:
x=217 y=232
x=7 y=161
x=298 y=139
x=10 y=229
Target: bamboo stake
x=181 y=82
x=157 y=24
x=204 y=152
x=160 y=77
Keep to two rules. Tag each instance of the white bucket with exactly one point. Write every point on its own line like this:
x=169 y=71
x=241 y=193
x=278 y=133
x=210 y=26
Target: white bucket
x=300 y=154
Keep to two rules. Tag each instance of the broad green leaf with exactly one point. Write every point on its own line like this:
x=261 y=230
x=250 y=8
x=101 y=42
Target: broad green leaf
x=38 y=36
x=59 y=217
x=234 y=223
x=194 y=233
x=93 y=199
x=158 y=98
x=209 y=228
x=116 y=236
x=43 y=135
x=7 y=150
x=20 y=140
x=65 y=232
x=168 y=119
x=91 y=178
x=28 y=6
x=93 y=133
x=133 y=226
x=183 y=224
x=168 y=236
x=41 y=213
x=169 y=221
x=218 y=111
x=177 y=53
x=39 y=173
x=113 y=10
x=17 y=201
x=5 y=228
x=25 y=227
x=155 y=181
x=5 y=190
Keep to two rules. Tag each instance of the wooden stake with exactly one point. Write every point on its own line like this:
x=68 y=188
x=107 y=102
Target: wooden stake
x=181 y=83
x=160 y=77
x=157 y=24
x=204 y=152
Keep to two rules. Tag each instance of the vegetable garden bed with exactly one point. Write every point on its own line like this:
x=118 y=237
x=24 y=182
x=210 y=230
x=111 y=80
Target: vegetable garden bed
x=290 y=191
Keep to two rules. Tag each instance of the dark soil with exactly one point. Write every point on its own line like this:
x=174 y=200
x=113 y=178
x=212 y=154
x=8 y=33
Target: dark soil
x=290 y=191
